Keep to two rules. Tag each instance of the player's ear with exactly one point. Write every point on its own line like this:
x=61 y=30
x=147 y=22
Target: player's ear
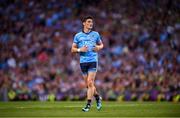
x=83 y=23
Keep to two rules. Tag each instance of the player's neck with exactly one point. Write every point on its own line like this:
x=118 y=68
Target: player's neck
x=86 y=30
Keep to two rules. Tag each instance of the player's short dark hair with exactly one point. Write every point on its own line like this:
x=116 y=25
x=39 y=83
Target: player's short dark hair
x=87 y=17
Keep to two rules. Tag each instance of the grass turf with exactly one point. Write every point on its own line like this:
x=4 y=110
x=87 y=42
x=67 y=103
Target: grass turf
x=73 y=109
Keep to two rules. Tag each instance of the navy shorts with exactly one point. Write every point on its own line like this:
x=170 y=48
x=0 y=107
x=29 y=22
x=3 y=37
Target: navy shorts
x=88 y=67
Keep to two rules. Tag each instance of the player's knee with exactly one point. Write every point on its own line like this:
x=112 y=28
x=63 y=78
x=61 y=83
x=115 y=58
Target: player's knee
x=90 y=83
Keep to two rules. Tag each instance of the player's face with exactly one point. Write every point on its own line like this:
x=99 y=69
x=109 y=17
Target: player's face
x=88 y=24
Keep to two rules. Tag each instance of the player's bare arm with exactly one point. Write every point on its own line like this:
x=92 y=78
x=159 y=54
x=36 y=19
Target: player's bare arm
x=99 y=46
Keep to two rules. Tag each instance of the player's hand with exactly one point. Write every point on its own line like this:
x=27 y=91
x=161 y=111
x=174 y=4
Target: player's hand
x=96 y=48
x=84 y=48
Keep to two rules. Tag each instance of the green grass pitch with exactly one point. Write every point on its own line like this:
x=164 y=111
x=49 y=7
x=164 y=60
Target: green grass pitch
x=73 y=109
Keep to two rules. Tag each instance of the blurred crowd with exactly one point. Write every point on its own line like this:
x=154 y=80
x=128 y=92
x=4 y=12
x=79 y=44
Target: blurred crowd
x=140 y=59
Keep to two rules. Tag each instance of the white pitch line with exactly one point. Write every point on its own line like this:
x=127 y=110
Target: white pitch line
x=75 y=106
x=69 y=106
x=83 y=117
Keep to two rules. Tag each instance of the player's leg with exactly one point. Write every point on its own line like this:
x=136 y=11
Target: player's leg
x=90 y=90
x=84 y=69
x=89 y=79
x=91 y=87
x=93 y=68
x=85 y=79
x=98 y=99
x=96 y=94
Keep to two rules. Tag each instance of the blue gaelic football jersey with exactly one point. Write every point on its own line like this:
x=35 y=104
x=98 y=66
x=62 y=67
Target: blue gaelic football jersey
x=90 y=40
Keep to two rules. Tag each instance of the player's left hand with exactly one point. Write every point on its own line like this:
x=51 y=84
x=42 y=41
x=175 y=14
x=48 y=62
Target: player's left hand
x=96 y=48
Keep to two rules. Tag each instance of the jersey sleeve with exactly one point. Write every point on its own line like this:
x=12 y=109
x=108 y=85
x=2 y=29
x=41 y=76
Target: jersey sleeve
x=98 y=38
x=75 y=40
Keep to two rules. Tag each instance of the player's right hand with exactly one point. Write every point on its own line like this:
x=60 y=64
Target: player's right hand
x=84 y=48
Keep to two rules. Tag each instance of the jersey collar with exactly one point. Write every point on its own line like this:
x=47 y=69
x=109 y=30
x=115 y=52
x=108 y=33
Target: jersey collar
x=87 y=32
